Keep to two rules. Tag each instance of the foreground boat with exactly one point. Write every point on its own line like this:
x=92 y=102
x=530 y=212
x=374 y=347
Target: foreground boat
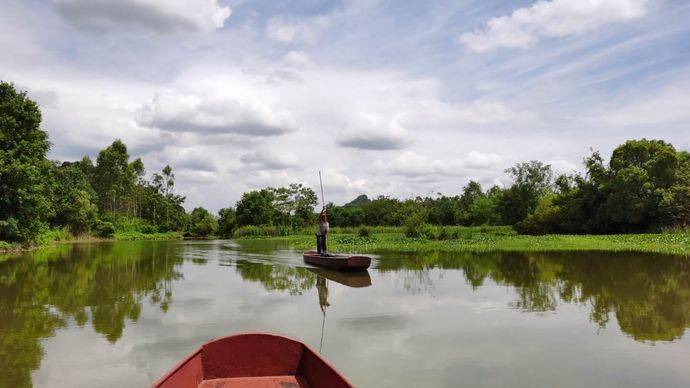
x=337 y=261
x=253 y=360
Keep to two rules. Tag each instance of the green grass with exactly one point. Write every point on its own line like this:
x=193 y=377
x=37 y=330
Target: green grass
x=63 y=235
x=137 y=236
x=481 y=239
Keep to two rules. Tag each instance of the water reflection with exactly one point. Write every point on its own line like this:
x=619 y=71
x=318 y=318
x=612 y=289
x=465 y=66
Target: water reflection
x=104 y=284
x=277 y=277
x=648 y=294
x=356 y=279
x=107 y=286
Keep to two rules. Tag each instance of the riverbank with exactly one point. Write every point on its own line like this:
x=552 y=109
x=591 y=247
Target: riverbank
x=483 y=239
x=60 y=236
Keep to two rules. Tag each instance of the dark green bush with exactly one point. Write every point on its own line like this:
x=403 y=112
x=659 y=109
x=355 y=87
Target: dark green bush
x=415 y=226
x=104 y=229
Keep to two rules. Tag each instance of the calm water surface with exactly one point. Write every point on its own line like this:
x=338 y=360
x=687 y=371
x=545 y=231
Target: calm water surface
x=121 y=314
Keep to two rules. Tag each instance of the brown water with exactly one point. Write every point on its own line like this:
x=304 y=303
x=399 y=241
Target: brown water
x=121 y=314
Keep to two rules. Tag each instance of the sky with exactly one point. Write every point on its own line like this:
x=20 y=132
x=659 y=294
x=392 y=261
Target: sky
x=384 y=97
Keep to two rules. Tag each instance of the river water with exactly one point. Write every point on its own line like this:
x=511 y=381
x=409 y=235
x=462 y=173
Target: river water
x=121 y=314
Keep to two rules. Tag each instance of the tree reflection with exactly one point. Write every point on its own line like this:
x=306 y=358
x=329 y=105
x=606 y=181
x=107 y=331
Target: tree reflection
x=101 y=283
x=649 y=294
x=277 y=277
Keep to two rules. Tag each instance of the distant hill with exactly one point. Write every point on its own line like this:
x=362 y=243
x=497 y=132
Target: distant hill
x=359 y=201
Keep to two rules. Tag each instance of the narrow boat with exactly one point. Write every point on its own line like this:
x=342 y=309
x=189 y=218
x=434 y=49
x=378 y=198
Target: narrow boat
x=338 y=261
x=253 y=360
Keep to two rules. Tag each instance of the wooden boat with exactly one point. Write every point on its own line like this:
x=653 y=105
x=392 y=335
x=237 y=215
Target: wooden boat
x=355 y=279
x=337 y=261
x=253 y=360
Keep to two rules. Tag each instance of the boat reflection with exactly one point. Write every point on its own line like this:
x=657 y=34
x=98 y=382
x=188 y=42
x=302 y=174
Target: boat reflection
x=356 y=279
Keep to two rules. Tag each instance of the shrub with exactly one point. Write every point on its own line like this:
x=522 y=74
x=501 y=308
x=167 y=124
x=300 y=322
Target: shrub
x=415 y=226
x=262 y=231
x=430 y=232
x=546 y=218
x=149 y=229
x=363 y=231
x=443 y=234
x=104 y=229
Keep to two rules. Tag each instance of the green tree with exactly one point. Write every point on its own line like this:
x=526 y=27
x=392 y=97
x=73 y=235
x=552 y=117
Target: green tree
x=25 y=204
x=203 y=223
x=256 y=208
x=442 y=210
x=471 y=194
x=114 y=178
x=73 y=198
x=227 y=221
x=348 y=215
x=531 y=180
x=139 y=172
x=294 y=204
x=642 y=175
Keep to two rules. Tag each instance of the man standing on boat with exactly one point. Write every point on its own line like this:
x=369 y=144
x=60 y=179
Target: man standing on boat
x=321 y=234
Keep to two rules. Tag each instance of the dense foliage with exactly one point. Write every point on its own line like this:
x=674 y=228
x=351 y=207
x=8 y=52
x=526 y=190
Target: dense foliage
x=645 y=186
x=102 y=198
x=25 y=202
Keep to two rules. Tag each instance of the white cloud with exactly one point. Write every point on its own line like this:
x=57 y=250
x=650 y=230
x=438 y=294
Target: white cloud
x=178 y=112
x=413 y=165
x=481 y=160
x=556 y=18
x=437 y=113
x=187 y=158
x=269 y=160
x=563 y=166
x=157 y=15
x=335 y=182
x=669 y=106
x=289 y=30
x=373 y=133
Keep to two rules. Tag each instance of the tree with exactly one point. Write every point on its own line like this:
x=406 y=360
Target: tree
x=531 y=180
x=202 y=223
x=139 y=172
x=25 y=204
x=642 y=173
x=384 y=211
x=256 y=208
x=348 y=215
x=471 y=193
x=114 y=177
x=442 y=210
x=227 y=221
x=73 y=198
x=295 y=202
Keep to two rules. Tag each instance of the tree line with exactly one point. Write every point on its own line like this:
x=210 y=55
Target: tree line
x=99 y=197
x=645 y=186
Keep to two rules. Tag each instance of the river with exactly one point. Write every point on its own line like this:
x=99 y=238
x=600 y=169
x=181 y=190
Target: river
x=121 y=314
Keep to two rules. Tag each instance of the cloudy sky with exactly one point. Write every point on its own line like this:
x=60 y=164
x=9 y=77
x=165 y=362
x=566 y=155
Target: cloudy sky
x=385 y=97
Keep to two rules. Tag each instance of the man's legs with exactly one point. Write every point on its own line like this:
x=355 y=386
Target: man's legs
x=318 y=244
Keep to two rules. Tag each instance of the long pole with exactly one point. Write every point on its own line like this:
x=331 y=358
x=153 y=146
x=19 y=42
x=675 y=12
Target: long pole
x=323 y=200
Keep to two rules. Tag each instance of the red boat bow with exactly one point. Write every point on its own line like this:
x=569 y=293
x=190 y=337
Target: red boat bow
x=253 y=360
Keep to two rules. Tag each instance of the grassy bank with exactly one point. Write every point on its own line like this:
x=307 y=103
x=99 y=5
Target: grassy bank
x=57 y=236
x=467 y=239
